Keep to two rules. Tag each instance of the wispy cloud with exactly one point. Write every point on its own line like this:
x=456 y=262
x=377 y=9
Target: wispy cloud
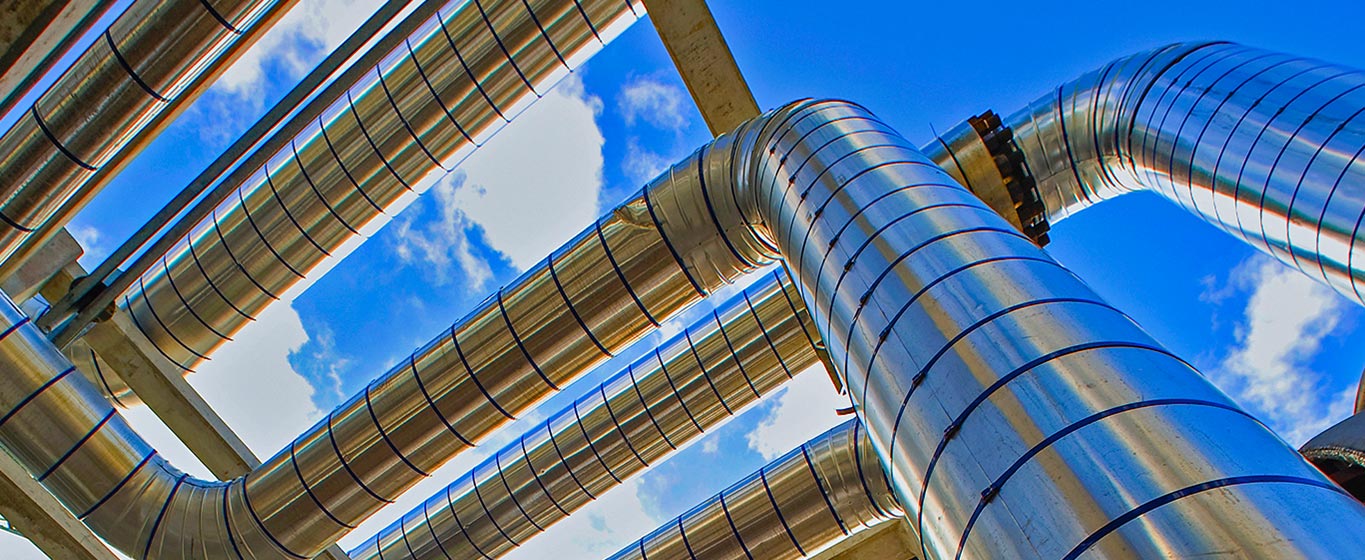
x=92 y=242
x=1286 y=319
x=439 y=242
x=802 y=410
x=642 y=164
x=655 y=101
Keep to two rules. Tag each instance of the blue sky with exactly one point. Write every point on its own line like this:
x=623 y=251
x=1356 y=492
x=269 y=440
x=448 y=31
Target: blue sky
x=1289 y=350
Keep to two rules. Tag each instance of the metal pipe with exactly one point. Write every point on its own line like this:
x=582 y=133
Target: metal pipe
x=1266 y=146
x=955 y=334
x=119 y=94
x=746 y=349
x=427 y=104
x=814 y=496
x=275 y=116
x=603 y=290
x=29 y=51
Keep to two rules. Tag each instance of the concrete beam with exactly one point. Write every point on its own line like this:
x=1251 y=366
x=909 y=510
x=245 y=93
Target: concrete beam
x=703 y=59
x=893 y=540
x=33 y=36
x=42 y=519
x=40 y=271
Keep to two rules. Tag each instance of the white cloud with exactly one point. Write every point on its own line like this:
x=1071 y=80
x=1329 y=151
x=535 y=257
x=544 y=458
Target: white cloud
x=802 y=410
x=654 y=101
x=642 y=164
x=1287 y=317
x=299 y=40
x=527 y=190
x=91 y=240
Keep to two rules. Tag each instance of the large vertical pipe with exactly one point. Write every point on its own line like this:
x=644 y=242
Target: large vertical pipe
x=429 y=103
x=1263 y=145
x=812 y=497
x=1018 y=414
x=695 y=382
x=118 y=95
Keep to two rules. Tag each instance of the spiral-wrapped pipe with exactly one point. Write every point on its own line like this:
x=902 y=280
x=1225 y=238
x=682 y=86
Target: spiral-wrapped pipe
x=698 y=380
x=1263 y=145
x=814 y=496
x=154 y=59
x=438 y=96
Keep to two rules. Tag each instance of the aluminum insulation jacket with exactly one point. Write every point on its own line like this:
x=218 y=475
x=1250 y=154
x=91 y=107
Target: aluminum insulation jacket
x=954 y=334
x=154 y=59
x=693 y=383
x=427 y=105
x=1265 y=146
x=603 y=290
x=814 y=496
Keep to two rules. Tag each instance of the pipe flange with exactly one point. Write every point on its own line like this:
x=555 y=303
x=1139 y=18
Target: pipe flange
x=1019 y=183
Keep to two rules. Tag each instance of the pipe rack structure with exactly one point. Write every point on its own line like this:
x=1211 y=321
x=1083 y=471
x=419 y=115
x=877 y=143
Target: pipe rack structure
x=951 y=330
x=150 y=63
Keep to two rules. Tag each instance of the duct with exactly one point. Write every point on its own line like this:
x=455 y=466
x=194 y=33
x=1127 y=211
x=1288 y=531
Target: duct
x=728 y=360
x=426 y=105
x=1263 y=145
x=831 y=487
x=152 y=61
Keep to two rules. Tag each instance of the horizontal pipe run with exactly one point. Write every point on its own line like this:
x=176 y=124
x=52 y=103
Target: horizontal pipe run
x=154 y=59
x=748 y=348
x=426 y=105
x=814 y=496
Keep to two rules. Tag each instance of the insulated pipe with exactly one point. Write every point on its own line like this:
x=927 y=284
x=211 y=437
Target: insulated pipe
x=695 y=382
x=155 y=59
x=428 y=104
x=1173 y=446
x=955 y=334
x=603 y=290
x=814 y=496
x=1265 y=146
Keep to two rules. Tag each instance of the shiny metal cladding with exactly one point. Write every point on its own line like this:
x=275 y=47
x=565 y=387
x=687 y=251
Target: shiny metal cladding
x=816 y=495
x=693 y=383
x=1018 y=414
x=426 y=106
x=1266 y=146
x=155 y=59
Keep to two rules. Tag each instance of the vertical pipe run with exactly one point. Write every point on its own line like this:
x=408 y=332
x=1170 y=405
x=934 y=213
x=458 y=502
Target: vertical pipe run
x=666 y=399
x=956 y=335
x=812 y=497
x=152 y=61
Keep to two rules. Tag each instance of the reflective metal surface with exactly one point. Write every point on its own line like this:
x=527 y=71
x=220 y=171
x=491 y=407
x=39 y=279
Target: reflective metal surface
x=151 y=62
x=812 y=497
x=427 y=105
x=1339 y=452
x=694 y=383
x=1264 y=145
x=1018 y=414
